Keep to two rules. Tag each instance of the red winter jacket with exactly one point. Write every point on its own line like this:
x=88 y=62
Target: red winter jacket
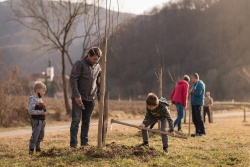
x=180 y=93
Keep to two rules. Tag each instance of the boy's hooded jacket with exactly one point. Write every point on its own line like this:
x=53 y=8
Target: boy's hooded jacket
x=180 y=93
x=162 y=111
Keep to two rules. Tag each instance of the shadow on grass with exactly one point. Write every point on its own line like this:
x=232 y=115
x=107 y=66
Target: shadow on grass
x=7 y=156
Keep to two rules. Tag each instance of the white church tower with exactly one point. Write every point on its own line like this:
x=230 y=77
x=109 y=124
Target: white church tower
x=50 y=72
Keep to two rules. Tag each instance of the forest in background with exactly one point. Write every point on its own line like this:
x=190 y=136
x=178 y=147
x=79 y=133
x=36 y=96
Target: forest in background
x=210 y=37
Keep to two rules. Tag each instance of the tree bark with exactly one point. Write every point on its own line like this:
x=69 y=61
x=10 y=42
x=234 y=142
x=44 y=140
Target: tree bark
x=102 y=94
x=65 y=86
x=159 y=90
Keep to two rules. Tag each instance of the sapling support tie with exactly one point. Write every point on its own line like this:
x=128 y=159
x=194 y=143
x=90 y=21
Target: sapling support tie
x=148 y=129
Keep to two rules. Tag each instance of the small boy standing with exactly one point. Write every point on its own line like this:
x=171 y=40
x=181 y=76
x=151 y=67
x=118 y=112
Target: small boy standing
x=157 y=110
x=37 y=110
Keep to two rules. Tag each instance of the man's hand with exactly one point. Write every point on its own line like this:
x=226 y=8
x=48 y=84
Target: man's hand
x=191 y=91
x=43 y=113
x=79 y=101
x=141 y=126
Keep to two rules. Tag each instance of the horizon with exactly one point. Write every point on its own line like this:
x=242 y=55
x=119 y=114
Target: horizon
x=137 y=7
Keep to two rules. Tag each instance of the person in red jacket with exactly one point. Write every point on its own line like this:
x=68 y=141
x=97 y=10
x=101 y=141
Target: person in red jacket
x=179 y=97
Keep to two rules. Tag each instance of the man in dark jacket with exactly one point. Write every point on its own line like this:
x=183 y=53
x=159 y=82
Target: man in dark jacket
x=197 y=100
x=83 y=84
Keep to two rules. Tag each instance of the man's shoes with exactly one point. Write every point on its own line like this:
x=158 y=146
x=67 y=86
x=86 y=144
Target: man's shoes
x=165 y=149
x=198 y=135
x=31 y=151
x=144 y=144
x=73 y=147
x=195 y=135
x=38 y=150
x=85 y=145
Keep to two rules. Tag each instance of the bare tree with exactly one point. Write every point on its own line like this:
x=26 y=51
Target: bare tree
x=245 y=73
x=56 y=24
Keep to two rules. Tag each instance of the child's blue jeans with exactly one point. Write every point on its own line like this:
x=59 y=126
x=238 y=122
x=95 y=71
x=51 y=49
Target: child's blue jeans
x=180 y=111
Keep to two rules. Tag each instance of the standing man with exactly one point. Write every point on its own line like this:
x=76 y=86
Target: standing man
x=207 y=107
x=83 y=84
x=197 y=100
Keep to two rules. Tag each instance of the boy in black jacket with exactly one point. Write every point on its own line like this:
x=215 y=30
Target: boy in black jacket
x=157 y=110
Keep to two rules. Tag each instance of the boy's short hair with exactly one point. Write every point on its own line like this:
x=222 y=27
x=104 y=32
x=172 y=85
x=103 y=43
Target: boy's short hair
x=39 y=85
x=152 y=99
x=195 y=75
x=95 y=51
x=186 y=78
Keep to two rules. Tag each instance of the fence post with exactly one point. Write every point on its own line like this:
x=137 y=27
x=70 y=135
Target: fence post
x=244 y=114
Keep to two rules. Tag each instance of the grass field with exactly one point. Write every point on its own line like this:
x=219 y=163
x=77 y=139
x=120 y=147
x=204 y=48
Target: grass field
x=227 y=144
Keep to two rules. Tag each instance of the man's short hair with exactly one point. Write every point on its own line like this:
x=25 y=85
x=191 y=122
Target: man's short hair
x=186 y=78
x=95 y=51
x=195 y=75
x=152 y=99
x=39 y=85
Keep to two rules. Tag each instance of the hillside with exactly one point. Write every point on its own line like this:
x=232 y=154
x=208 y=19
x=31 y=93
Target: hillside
x=208 y=37
x=18 y=45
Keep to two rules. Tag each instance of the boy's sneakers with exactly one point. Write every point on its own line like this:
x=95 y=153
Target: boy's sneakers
x=144 y=144
x=165 y=149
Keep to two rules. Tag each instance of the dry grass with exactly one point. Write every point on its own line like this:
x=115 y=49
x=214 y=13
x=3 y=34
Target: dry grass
x=227 y=144
x=13 y=110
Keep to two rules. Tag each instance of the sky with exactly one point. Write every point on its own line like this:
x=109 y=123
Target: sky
x=134 y=6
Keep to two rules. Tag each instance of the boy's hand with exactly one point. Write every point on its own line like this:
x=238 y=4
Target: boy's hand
x=141 y=126
x=43 y=113
x=173 y=133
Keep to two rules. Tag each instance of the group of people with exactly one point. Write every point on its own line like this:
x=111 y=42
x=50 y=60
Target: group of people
x=84 y=84
x=199 y=99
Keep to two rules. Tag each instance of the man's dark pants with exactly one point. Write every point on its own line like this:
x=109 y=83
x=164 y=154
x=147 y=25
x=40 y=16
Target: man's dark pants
x=208 y=113
x=197 y=119
x=77 y=113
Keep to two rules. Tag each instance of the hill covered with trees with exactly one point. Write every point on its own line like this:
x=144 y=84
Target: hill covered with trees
x=210 y=37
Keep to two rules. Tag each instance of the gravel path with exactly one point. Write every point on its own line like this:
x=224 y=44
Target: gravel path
x=66 y=127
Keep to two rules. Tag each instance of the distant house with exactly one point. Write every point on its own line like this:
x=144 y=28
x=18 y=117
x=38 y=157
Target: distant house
x=36 y=77
x=53 y=83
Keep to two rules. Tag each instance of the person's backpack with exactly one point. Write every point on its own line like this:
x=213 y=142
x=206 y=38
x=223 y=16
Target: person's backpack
x=163 y=100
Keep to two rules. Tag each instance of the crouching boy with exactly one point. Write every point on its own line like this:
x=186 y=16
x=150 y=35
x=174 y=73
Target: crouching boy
x=157 y=110
x=37 y=110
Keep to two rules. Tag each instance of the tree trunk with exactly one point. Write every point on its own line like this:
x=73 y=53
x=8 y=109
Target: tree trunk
x=159 y=90
x=65 y=86
x=102 y=93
